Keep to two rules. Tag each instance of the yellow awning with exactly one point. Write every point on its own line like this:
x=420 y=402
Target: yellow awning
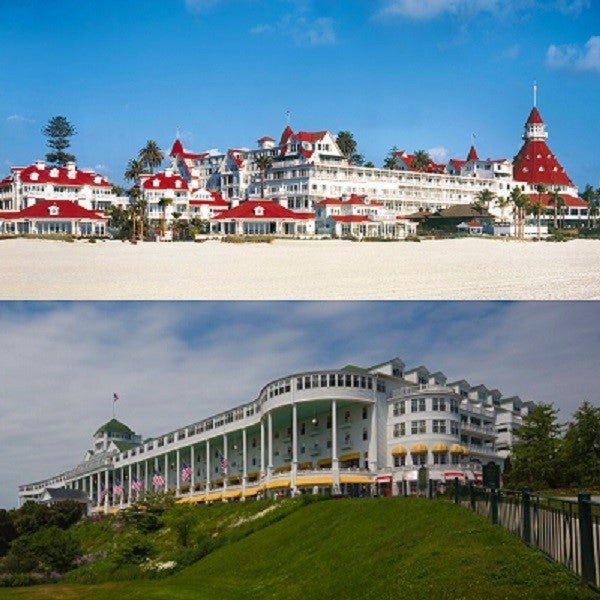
x=251 y=492
x=456 y=449
x=305 y=465
x=231 y=494
x=439 y=447
x=355 y=479
x=283 y=469
x=419 y=448
x=279 y=483
x=399 y=450
x=324 y=462
x=350 y=456
x=315 y=480
x=213 y=497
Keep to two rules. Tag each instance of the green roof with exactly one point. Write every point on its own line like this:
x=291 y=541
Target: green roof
x=114 y=426
x=122 y=446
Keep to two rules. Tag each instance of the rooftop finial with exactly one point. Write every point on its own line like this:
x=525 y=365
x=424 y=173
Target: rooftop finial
x=177 y=133
x=535 y=93
x=287 y=115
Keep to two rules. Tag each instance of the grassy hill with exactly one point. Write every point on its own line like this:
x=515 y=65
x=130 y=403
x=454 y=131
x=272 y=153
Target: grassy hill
x=368 y=548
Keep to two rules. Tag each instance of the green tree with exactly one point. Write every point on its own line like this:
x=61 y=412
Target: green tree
x=151 y=155
x=421 y=160
x=135 y=167
x=520 y=202
x=581 y=448
x=163 y=203
x=535 y=455
x=557 y=202
x=263 y=163
x=59 y=131
x=538 y=209
x=7 y=531
x=484 y=199
x=589 y=196
x=391 y=159
x=347 y=145
x=502 y=202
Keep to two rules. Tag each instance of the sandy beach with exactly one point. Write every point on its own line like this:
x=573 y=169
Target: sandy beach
x=461 y=269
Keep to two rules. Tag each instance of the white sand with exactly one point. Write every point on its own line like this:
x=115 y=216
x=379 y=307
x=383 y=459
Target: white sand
x=295 y=269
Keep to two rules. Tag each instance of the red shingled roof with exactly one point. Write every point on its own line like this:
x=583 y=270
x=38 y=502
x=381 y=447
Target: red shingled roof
x=61 y=176
x=570 y=201
x=535 y=164
x=534 y=117
x=66 y=210
x=472 y=154
x=162 y=181
x=271 y=210
x=350 y=218
x=178 y=150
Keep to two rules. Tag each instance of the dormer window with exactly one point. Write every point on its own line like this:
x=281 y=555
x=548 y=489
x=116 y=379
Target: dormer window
x=155 y=182
x=54 y=172
x=53 y=210
x=259 y=211
x=34 y=176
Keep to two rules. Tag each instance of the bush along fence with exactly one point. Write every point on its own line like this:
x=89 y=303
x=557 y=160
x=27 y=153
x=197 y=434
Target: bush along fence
x=565 y=530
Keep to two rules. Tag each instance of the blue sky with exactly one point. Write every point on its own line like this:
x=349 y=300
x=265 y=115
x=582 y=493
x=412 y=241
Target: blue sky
x=411 y=73
x=174 y=363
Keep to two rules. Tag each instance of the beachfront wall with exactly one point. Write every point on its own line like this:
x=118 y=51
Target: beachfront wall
x=353 y=431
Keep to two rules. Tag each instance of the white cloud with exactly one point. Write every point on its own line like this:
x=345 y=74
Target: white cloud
x=572 y=7
x=18 y=119
x=197 y=6
x=439 y=154
x=573 y=58
x=261 y=29
x=430 y=9
x=512 y=52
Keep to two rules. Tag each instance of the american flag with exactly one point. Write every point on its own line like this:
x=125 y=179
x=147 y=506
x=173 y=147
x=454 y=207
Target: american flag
x=186 y=473
x=224 y=462
x=136 y=484
x=102 y=493
x=115 y=397
x=117 y=488
x=158 y=479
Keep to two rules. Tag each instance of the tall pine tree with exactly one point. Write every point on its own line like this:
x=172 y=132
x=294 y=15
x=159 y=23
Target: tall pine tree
x=59 y=131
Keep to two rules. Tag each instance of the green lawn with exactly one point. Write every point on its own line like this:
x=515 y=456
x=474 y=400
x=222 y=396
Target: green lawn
x=368 y=548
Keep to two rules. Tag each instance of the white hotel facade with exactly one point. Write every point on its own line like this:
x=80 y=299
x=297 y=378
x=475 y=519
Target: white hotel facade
x=352 y=431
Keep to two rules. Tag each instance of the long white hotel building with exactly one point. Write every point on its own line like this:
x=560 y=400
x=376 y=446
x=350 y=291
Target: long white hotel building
x=352 y=431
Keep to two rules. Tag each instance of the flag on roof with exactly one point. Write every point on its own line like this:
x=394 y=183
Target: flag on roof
x=137 y=484
x=158 y=479
x=115 y=397
x=186 y=473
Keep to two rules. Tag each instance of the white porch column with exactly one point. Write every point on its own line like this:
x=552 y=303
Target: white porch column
x=166 y=471
x=335 y=467
x=294 y=445
x=193 y=469
x=373 y=459
x=270 y=435
x=225 y=471
x=129 y=484
x=107 y=490
x=207 y=465
x=90 y=488
x=146 y=482
x=122 y=496
x=177 y=472
x=262 y=448
x=244 y=459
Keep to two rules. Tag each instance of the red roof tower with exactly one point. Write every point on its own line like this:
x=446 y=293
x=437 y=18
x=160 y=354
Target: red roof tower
x=535 y=164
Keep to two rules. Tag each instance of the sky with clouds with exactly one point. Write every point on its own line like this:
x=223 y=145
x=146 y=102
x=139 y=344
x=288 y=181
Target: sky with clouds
x=174 y=363
x=416 y=74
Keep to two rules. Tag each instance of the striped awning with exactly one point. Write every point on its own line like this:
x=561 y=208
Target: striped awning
x=399 y=450
x=350 y=456
x=419 y=448
x=279 y=483
x=364 y=479
x=314 y=480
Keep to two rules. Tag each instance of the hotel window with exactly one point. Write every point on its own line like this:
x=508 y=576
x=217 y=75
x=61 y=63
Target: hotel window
x=307 y=382
x=302 y=449
x=397 y=430
x=315 y=381
x=400 y=461
x=365 y=412
x=418 y=427
x=328 y=445
x=439 y=404
x=365 y=434
x=347 y=417
x=439 y=426
x=440 y=458
x=369 y=383
x=328 y=421
x=454 y=427
x=419 y=459
x=323 y=380
x=348 y=380
x=302 y=428
x=299 y=383
x=347 y=439
x=332 y=380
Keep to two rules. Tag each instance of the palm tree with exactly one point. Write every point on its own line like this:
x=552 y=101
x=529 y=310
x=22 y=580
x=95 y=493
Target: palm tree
x=556 y=201
x=538 y=208
x=263 y=163
x=151 y=155
x=421 y=160
x=134 y=168
x=142 y=204
x=589 y=196
x=502 y=204
x=520 y=202
x=391 y=161
x=163 y=203
x=483 y=199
